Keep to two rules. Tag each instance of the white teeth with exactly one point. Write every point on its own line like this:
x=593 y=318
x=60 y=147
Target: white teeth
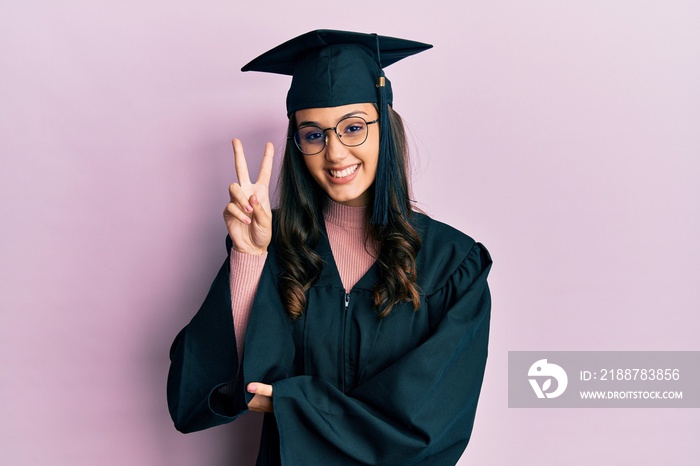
x=344 y=173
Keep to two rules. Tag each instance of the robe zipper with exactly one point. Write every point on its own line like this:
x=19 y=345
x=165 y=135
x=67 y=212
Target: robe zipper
x=343 y=355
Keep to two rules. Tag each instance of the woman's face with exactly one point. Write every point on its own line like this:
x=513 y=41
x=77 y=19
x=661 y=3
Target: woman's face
x=344 y=173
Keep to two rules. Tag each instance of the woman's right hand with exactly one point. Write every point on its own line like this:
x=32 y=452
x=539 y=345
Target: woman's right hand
x=248 y=215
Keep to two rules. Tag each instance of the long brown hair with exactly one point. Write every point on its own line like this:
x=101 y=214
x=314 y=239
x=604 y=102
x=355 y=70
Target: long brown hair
x=301 y=205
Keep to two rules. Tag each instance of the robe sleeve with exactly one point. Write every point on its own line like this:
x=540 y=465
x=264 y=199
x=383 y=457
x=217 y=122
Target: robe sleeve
x=419 y=410
x=204 y=387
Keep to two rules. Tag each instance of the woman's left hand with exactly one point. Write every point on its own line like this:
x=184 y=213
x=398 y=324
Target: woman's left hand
x=262 y=401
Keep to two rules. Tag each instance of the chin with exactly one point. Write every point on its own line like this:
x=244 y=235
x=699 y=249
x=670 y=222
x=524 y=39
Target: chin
x=350 y=199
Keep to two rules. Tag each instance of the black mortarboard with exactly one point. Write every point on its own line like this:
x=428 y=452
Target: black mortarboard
x=332 y=68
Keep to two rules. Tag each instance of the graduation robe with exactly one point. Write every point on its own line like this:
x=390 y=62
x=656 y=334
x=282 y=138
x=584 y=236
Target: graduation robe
x=349 y=388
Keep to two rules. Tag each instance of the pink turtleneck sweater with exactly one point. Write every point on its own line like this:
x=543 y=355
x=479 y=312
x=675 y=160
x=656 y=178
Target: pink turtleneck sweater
x=345 y=227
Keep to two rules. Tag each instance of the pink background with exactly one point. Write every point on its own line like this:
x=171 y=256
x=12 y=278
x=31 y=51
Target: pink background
x=563 y=135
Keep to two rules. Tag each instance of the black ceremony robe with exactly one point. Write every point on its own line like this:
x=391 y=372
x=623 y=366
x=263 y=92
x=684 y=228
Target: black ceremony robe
x=349 y=388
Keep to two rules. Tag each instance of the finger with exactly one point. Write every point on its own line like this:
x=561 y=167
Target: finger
x=261 y=404
x=234 y=211
x=259 y=214
x=241 y=165
x=238 y=196
x=266 y=165
x=260 y=389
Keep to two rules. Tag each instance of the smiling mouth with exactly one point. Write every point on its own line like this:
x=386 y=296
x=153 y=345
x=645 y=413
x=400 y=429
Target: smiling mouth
x=343 y=173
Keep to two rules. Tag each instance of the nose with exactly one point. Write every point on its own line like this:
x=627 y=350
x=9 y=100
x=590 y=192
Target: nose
x=335 y=150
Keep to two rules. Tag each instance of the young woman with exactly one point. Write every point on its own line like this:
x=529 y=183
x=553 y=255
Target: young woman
x=356 y=324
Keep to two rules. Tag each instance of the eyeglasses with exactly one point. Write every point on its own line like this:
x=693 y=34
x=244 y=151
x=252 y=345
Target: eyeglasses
x=351 y=131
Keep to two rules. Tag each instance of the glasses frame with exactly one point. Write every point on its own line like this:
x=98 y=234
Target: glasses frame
x=335 y=130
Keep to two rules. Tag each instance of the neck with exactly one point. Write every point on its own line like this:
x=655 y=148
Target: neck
x=345 y=216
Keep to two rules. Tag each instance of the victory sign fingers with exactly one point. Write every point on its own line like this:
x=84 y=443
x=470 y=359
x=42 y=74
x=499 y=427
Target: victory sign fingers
x=248 y=216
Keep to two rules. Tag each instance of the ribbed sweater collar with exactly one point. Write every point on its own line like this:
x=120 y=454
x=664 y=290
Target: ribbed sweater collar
x=345 y=216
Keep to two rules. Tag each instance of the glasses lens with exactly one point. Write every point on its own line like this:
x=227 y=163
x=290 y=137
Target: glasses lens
x=310 y=139
x=352 y=131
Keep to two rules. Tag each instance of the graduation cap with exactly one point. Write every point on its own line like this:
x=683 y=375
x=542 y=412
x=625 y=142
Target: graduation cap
x=332 y=68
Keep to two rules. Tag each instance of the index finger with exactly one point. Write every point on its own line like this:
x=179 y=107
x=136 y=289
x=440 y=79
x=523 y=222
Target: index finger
x=266 y=165
x=260 y=388
x=241 y=165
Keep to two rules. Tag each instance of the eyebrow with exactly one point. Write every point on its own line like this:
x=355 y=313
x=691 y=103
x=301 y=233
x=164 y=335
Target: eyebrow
x=316 y=123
